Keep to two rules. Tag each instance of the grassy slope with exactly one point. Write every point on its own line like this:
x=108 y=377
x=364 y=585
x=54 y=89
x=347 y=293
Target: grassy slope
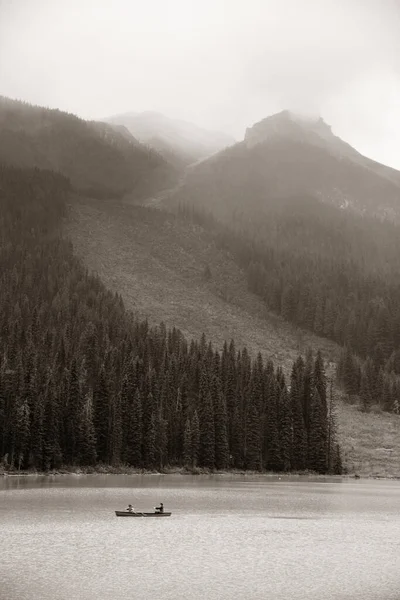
x=157 y=263
x=370 y=442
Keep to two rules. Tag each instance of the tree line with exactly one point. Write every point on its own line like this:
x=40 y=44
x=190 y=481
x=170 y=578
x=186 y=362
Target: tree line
x=82 y=381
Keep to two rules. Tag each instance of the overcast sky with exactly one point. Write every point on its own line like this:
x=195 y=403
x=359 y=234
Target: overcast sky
x=223 y=64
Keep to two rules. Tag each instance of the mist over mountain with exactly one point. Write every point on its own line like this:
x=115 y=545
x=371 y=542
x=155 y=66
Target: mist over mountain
x=288 y=155
x=98 y=158
x=178 y=141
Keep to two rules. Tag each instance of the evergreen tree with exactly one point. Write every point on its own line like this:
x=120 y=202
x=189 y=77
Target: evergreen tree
x=161 y=439
x=253 y=437
x=87 y=435
x=135 y=432
x=337 y=462
x=285 y=430
x=195 y=439
x=207 y=433
x=319 y=381
x=272 y=446
x=187 y=445
x=237 y=446
x=221 y=433
x=331 y=430
x=150 y=443
x=22 y=431
x=299 y=443
x=317 y=452
x=307 y=390
x=101 y=399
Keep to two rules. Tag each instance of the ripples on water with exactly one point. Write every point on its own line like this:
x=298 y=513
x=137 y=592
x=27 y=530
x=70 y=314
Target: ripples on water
x=60 y=539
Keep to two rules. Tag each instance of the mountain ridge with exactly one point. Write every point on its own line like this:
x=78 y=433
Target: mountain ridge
x=97 y=157
x=186 y=140
x=281 y=157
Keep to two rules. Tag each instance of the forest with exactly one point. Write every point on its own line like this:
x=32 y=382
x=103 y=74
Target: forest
x=331 y=272
x=83 y=382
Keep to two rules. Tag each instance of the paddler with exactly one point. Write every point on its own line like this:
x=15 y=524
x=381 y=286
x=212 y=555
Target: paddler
x=130 y=508
x=160 y=508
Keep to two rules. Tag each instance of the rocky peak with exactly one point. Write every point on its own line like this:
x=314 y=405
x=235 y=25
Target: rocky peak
x=291 y=125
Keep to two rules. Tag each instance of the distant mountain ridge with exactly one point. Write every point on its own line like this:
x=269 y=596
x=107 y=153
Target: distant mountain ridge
x=285 y=156
x=98 y=158
x=177 y=140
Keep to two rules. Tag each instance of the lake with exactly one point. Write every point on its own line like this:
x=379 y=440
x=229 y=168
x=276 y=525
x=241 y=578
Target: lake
x=229 y=537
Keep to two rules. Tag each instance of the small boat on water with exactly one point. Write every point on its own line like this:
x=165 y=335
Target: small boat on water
x=127 y=513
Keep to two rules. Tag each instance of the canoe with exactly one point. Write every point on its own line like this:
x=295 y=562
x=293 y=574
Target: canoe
x=125 y=513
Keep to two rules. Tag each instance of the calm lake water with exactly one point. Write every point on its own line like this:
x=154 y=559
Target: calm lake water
x=228 y=538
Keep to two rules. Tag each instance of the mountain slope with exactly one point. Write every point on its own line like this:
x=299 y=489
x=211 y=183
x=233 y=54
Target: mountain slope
x=158 y=263
x=286 y=156
x=180 y=142
x=98 y=158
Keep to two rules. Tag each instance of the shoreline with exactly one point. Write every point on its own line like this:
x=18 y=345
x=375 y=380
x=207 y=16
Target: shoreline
x=109 y=470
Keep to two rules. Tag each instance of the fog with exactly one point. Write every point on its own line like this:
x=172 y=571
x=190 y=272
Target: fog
x=223 y=64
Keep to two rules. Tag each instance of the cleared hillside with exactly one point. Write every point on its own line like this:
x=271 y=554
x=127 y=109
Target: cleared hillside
x=159 y=265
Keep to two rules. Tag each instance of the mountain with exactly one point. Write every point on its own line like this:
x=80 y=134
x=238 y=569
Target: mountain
x=286 y=156
x=180 y=142
x=168 y=269
x=315 y=276
x=98 y=158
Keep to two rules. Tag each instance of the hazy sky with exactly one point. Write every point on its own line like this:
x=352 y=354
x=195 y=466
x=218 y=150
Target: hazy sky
x=222 y=64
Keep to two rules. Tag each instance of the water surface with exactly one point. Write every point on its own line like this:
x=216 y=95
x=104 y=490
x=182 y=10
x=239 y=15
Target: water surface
x=228 y=538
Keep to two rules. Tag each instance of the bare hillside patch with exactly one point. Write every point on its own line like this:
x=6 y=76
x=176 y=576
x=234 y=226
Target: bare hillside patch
x=170 y=271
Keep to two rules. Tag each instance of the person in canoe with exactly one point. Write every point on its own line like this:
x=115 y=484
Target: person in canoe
x=130 y=508
x=160 y=508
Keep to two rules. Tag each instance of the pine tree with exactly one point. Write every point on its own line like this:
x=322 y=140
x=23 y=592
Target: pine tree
x=299 y=444
x=161 y=441
x=101 y=400
x=53 y=457
x=307 y=389
x=135 y=432
x=195 y=427
x=86 y=433
x=115 y=431
x=253 y=436
x=272 y=446
x=319 y=381
x=236 y=449
x=207 y=433
x=37 y=434
x=331 y=430
x=22 y=431
x=149 y=430
x=187 y=445
x=221 y=433
x=337 y=462
x=150 y=444
x=317 y=453
x=285 y=430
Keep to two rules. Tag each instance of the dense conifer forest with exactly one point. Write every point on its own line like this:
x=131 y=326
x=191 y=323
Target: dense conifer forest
x=329 y=271
x=83 y=382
